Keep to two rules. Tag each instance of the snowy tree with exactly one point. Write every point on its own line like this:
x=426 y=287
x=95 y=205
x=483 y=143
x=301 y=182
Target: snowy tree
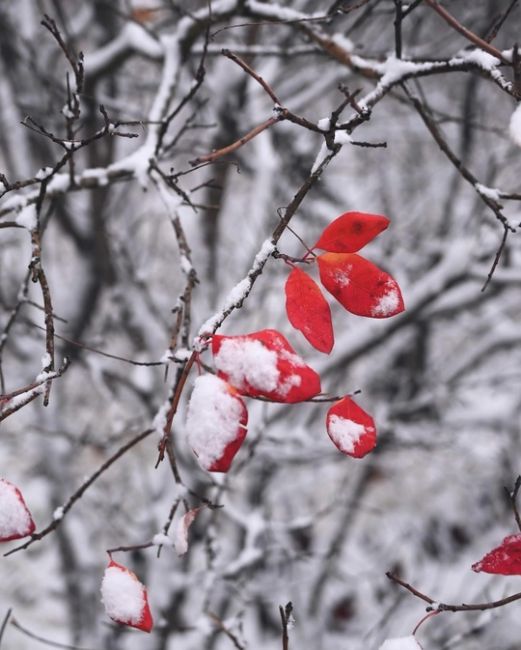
x=165 y=168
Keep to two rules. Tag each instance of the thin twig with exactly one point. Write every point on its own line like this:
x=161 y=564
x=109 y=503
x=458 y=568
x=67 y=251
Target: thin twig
x=467 y=33
x=4 y=624
x=444 y=607
x=80 y=492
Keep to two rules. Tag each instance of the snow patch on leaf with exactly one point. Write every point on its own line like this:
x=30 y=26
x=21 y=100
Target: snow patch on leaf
x=346 y=433
x=215 y=423
x=388 y=303
x=15 y=519
x=248 y=361
x=124 y=597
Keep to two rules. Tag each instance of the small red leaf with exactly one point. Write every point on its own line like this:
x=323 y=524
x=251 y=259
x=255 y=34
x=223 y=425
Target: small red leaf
x=360 y=286
x=216 y=423
x=263 y=364
x=308 y=310
x=15 y=519
x=182 y=528
x=505 y=559
x=350 y=428
x=351 y=231
x=125 y=598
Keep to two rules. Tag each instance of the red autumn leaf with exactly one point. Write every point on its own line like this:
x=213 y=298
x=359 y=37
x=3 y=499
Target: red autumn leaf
x=360 y=286
x=15 y=519
x=125 y=597
x=350 y=428
x=215 y=423
x=263 y=364
x=505 y=559
x=308 y=310
x=351 y=231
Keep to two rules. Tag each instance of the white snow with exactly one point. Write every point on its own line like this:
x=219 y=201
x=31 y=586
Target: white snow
x=404 y=643
x=14 y=516
x=346 y=433
x=514 y=127
x=324 y=124
x=160 y=539
x=240 y=291
x=388 y=303
x=485 y=60
x=248 y=361
x=341 y=278
x=213 y=419
x=490 y=192
x=123 y=595
x=342 y=137
x=58 y=513
x=46 y=360
x=27 y=217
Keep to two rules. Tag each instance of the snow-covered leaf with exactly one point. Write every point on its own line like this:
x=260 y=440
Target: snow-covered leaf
x=351 y=231
x=308 y=310
x=360 y=286
x=263 y=364
x=505 y=559
x=15 y=519
x=351 y=429
x=215 y=423
x=125 y=597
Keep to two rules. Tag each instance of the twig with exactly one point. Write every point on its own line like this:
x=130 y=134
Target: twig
x=497 y=257
x=469 y=35
x=285 y=618
x=210 y=157
x=41 y=639
x=269 y=90
x=80 y=491
x=444 y=607
x=512 y=497
x=237 y=644
x=4 y=624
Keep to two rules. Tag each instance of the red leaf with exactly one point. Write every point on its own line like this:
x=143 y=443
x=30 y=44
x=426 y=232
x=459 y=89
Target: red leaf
x=216 y=423
x=182 y=528
x=15 y=519
x=263 y=364
x=360 y=286
x=350 y=428
x=125 y=598
x=308 y=310
x=505 y=559
x=351 y=231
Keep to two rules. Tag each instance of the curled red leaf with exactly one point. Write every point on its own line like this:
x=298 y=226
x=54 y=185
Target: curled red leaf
x=263 y=364
x=125 y=598
x=505 y=559
x=215 y=423
x=351 y=231
x=360 y=286
x=351 y=429
x=15 y=519
x=308 y=310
